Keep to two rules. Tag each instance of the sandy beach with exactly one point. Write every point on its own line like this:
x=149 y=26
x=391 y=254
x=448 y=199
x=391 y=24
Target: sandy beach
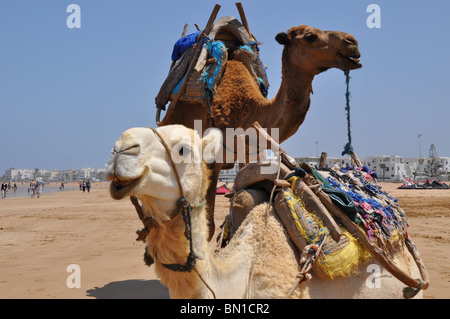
x=41 y=237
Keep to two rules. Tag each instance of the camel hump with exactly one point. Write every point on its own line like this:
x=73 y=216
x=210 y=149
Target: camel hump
x=228 y=39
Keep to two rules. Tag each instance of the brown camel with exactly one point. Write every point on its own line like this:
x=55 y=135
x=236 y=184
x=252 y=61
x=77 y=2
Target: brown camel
x=238 y=101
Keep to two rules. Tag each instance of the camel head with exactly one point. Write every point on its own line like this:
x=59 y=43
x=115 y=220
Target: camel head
x=314 y=50
x=142 y=166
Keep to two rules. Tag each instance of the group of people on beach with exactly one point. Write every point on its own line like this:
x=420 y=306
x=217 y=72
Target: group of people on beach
x=85 y=186
x=35 y=188
x=5 y=187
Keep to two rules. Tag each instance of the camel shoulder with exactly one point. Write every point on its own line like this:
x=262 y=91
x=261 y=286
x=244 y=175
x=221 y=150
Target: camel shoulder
x=236 y=94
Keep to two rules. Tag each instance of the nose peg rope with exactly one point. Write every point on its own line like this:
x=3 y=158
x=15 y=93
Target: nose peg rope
x=348 y=148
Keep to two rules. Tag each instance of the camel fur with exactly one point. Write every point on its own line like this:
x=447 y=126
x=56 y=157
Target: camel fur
x=141 y=167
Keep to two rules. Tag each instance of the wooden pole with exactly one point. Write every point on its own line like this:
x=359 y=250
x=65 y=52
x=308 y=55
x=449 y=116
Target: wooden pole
x=162 y=107
x=355 y=159
x=204 y=33
x=243 y=17
x=323 y=160
x=184 y=30
x=183 y=34
x=291 y=163
x=286 y=159
x=313 y=205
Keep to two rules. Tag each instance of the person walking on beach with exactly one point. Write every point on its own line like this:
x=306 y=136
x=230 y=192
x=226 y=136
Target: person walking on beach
x=62 y=186
x=4 y=189
x=33 y=188
x=15 y=188
x=38 y=189
x=83 y=183
x=88 y=186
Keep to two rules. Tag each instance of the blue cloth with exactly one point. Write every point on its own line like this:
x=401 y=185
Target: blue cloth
x=215 y=50
x=178 y=86
x=368 y=171
x=262 y=85
x=348 y=148
x=183 y=44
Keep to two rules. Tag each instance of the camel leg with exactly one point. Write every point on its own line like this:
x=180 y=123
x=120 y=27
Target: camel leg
x=211 y=198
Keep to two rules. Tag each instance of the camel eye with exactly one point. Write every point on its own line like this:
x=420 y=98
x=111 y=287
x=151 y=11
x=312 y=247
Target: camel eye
x=310 y=38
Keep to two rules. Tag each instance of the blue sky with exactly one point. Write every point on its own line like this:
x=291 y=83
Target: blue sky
x=67 y=94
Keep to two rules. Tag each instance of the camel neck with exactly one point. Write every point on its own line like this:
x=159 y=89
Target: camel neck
x=292 y=101
x=169 y=245
x=168 y=242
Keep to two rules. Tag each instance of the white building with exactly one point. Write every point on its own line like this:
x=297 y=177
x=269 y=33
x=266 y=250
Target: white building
x=388 y=168
x=87 y=173
x=57 y=175
x=229 y=174
x=445 y=162
x=415 y=167
x=13 y=174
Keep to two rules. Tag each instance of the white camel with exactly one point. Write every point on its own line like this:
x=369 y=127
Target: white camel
x=142 y=167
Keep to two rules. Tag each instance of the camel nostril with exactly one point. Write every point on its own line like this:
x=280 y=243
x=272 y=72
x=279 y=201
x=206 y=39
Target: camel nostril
x=351 y=40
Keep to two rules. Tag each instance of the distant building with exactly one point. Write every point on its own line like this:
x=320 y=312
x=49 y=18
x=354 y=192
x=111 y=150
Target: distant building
x=13 y=174
x=414 y=167
x=87 y=173
x=388 y=168
x=445 y=161
x=45 y=174
x=229 y=174
x=25 y=175
x=57 y=175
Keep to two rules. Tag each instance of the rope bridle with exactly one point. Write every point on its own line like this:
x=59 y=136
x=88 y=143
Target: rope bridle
x=184 y=206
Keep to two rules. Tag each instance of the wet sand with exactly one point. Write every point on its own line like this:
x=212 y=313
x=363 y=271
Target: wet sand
x=41 y=237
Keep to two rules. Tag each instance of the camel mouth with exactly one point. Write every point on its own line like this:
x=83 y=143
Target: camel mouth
x=121 y=188
x=349 y=62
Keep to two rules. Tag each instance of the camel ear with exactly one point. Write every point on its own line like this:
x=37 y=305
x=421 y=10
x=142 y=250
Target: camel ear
x=282 y=38
x=212 y=144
